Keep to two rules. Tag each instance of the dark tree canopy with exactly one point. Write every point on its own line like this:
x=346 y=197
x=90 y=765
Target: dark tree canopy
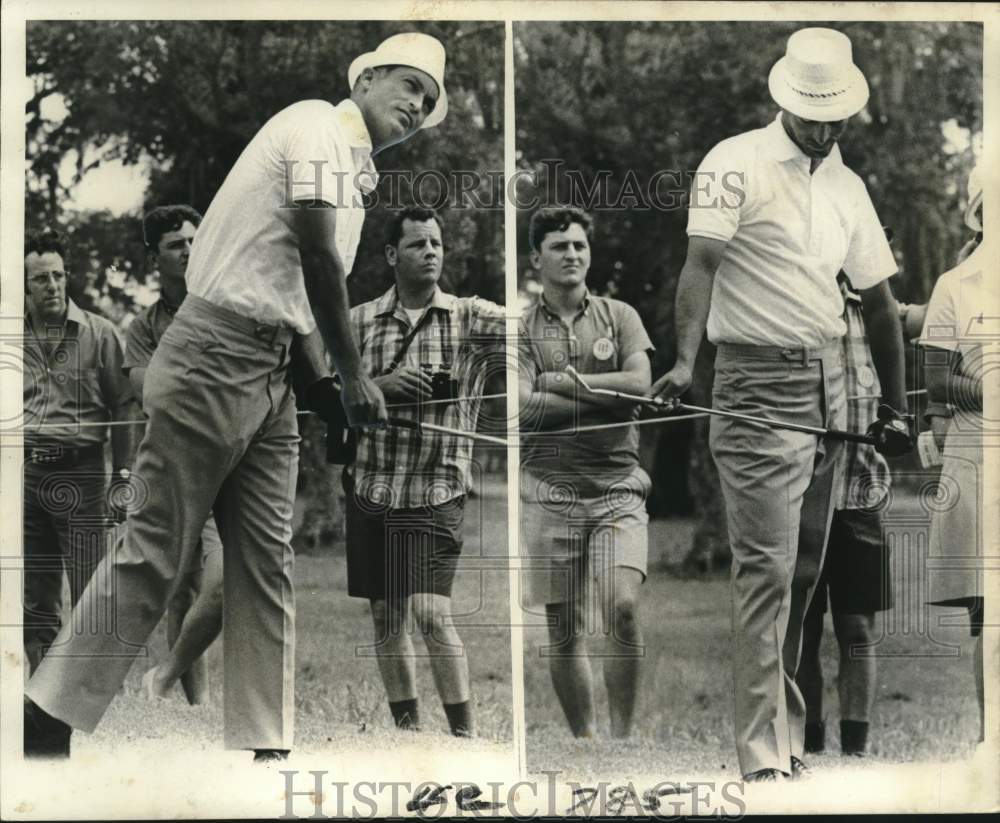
x=605 y=108
x=186 y=97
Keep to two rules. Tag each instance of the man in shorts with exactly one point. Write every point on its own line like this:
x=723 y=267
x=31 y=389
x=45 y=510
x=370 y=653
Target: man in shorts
x=406 y=489
x=856 y=579
x=583 y=493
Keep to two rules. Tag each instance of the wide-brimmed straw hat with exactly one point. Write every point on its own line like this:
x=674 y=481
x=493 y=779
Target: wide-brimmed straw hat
x=420 y=51
x=817 y=78
x=972 y=219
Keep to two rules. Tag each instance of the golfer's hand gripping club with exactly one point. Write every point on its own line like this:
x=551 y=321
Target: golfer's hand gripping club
x=891 y=432
x=364 y=403
x=323 y=398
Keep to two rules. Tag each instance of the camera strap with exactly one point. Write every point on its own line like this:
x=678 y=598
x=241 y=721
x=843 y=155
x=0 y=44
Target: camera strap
x=406 y=341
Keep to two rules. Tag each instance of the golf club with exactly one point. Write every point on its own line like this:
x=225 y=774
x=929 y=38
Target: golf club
x=417 y=425
x=749 y=418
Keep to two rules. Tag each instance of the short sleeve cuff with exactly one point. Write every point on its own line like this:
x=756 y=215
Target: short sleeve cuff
x=710 y=233
x=864 y=280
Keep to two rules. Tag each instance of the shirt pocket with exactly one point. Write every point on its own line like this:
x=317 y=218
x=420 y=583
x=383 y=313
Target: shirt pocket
x=82 y=386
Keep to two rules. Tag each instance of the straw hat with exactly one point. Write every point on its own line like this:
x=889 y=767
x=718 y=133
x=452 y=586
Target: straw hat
x=419 y=51
x=817 y=78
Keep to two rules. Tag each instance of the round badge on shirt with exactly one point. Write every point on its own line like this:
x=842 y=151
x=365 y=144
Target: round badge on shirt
x=603 y=348
x=866 y=377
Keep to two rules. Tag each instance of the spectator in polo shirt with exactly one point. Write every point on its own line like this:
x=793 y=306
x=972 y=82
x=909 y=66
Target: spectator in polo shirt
x=73 y=387
x=406 y=489
x=583 y=518
x=761 y=277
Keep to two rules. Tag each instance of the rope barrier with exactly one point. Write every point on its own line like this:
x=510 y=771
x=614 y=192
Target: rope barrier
x=595 y=427
x=913 y=393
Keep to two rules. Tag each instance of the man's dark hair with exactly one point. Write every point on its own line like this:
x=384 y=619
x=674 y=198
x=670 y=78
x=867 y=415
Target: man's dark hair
x=163 y=219
x=43 y=241
x=552 y=219
x=416 y=214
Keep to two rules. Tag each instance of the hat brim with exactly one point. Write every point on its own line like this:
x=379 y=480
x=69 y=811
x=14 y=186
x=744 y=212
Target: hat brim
x=821 y=105
x=371 y=60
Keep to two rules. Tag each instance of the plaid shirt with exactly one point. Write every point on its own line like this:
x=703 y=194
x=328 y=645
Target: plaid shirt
x=405 y=468
x=865 y=479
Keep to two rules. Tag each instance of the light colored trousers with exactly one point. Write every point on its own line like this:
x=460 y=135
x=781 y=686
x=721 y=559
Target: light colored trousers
x=222 y=434
x=778 y=487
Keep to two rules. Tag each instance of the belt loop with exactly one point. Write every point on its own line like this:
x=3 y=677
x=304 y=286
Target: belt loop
x=805 y=356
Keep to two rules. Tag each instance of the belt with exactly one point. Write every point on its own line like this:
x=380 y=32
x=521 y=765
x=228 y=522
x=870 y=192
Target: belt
x=268 y=333
x=62 y=456
x=789 y=354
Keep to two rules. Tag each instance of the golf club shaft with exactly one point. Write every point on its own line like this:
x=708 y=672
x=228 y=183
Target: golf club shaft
x=414 y=424
x=749 y=418
x=777 y=424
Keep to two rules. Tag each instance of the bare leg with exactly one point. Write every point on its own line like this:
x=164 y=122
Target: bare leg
x=619 y=595
x=201 y=625
x=449 y=664
x=570 y=667
x=394 y=650
x=856 y=679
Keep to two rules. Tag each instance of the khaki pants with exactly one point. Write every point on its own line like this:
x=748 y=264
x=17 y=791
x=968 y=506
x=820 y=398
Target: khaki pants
x=778 y=487
x=222 y=433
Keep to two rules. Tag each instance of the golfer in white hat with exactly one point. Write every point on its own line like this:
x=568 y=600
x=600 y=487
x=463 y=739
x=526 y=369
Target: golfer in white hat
x=761 y=276
x=268 y=267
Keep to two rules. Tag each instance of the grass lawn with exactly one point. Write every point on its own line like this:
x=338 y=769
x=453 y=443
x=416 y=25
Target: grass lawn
x=340 y=702
x=925 y=709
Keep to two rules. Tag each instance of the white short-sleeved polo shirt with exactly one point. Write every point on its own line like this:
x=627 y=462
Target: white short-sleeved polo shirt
x=245 y=257
x=788 y=233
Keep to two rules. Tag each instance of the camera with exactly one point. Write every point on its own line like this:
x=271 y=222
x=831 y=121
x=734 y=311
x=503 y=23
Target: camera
x=443 y=385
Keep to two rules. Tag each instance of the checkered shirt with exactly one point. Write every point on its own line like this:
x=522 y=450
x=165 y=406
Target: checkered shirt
x=865 y=480
x=405 y=468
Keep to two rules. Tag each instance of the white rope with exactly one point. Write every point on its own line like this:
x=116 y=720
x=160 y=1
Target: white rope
x=603 y=426
x=913 y=393
x=597 y=427
x=74 y=426
x=465 y=399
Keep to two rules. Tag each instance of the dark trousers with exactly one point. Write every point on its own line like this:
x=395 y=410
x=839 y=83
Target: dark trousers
x=66 y=530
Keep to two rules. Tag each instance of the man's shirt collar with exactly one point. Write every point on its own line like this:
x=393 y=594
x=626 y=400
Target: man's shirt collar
x=74 y=314
x=355 y=131
x=388 y=303
x=783 y=148
x=583 y=308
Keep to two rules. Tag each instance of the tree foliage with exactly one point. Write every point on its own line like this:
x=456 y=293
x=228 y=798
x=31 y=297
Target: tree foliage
x=616 y=103
x=186 y=97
